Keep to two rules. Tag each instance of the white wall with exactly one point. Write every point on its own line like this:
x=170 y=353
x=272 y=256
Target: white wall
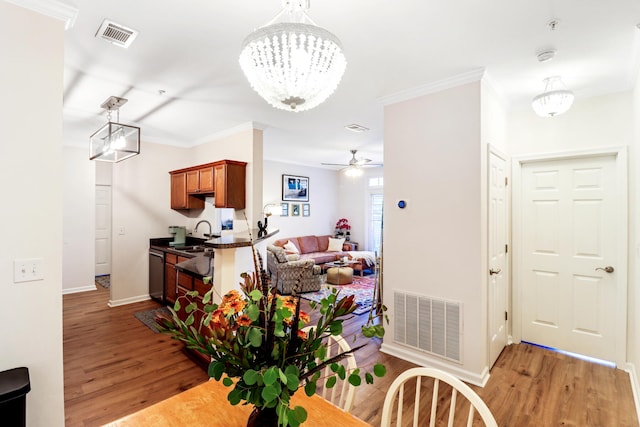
x=31 y=122
x=323 y=199
x=354 y=203
x=633 y=343
x=432 y=156
x=78 y=256
x=141 y=200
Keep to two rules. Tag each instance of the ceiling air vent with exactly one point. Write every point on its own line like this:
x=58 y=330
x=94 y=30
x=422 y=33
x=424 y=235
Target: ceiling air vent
x=356 y=128
x=116 y=33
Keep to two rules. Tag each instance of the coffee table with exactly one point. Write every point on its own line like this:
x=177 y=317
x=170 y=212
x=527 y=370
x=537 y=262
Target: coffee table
x=339 y=272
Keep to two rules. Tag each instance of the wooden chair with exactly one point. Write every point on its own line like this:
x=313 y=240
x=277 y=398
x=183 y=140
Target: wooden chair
x=342 y=394
x=476 y=404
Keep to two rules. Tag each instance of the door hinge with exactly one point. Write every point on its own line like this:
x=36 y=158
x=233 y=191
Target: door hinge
x=506 y=181
x=506 y=316
x=506 y=249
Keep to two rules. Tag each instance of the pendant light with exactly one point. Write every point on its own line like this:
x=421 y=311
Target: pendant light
x=114 y=141
x=556 y=98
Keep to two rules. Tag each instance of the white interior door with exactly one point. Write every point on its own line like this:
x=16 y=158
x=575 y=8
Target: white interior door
x=498 y=265
x=571 y=231
x=103 y=230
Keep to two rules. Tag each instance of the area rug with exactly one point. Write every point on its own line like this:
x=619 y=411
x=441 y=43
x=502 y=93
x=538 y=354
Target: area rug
x=362 y=288
x=148 y=317
x=104 y=281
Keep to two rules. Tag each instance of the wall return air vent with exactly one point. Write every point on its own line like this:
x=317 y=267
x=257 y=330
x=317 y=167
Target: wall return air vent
x=116 y=34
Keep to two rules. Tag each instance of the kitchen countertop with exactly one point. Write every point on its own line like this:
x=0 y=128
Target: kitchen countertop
x=238 y=240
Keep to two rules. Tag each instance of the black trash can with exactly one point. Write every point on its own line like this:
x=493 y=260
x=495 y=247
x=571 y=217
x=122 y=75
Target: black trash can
x=14 y=386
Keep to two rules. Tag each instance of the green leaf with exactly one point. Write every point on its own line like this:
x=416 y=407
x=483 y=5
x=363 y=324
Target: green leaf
x=379 y=331
x=283 y=377
x=255 y=337
x=355 y=380
x=292 y=370
x=253 y=311
x=368 y=378
x=270 y=376
x=250 y=377
x=271 y=392
x=299 y=414
x=310 y=388
x=234 y=396
x=216 y=369
x=379 y=370
x=227 y=381
x=292 y=382
x=369 y=331
x=189 y=320
x=177 y=306
x=336 y=327
x=255 y=295
x=331 y=381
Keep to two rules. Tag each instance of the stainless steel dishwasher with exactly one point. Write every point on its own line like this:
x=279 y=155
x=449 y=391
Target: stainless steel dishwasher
x=156 y=275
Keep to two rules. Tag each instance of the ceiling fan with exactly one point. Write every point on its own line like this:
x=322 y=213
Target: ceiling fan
x=355 y=163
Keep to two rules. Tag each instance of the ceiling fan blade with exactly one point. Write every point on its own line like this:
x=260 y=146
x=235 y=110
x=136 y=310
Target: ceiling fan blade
x=374 y=165
x=362 y=162
x=333 y=164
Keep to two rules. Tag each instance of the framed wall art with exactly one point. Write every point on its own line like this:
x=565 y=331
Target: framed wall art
x=306 y=209
x=295 y=209
x=295 y=188
x=285 y=209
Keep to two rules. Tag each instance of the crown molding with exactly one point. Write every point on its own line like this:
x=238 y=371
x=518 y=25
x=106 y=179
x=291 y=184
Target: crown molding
x=54 y=8
x=437 y=86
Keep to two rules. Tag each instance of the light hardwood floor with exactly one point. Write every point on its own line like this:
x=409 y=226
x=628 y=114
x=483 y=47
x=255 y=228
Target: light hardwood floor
x=114 y=365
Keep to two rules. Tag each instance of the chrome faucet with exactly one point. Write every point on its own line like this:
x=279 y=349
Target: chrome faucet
x=210 y=235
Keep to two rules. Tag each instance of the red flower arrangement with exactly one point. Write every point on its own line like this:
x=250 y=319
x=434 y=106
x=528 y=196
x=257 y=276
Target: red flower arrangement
x=343 y=225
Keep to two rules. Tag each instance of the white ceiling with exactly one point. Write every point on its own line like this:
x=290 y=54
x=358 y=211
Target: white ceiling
x=190 y=50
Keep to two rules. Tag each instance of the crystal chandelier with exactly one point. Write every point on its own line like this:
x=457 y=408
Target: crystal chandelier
x=556 y=98
x=114 y=141
x=291 y=62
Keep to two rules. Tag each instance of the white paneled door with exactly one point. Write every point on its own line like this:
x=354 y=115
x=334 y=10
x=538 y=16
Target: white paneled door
x=571 y=291
x=498 y=265
x=103 y=229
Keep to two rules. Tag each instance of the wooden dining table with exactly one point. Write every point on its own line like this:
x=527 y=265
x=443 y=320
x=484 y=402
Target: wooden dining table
x=206 y=405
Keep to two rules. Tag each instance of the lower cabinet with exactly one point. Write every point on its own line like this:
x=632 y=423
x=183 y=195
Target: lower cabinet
x=171 y=277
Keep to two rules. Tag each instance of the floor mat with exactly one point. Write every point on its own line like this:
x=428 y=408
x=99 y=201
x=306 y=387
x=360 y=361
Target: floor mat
x=148 y=317
x=362 y=288
x=104 y=281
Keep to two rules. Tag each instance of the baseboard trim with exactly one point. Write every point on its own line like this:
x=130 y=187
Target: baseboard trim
x=635 y=386
x=131 y=300
x=479 y=379
x=87 y=288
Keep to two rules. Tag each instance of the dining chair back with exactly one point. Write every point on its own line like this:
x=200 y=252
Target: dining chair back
x=422 y=382
x=342 y=394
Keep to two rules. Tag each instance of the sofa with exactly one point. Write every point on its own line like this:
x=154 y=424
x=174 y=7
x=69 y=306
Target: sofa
x=316 y=248
x=286 y=270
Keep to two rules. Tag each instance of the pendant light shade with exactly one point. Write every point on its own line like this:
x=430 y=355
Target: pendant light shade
x=114 y=141
x=291 y=62
x=556 y=98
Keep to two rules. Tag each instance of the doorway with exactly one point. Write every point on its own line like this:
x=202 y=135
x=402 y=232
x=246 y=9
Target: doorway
x=570 y=251
x=103 y=230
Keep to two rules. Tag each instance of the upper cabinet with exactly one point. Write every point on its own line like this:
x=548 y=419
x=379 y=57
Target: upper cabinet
x=225 y=180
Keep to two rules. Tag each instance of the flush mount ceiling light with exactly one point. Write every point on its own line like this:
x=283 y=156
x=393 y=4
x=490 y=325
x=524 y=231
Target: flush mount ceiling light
x=291 y=62
x=114 y=141
x=556 y=98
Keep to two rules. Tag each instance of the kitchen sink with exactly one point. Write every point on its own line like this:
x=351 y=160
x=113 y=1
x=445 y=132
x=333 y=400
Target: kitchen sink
x=190 y=249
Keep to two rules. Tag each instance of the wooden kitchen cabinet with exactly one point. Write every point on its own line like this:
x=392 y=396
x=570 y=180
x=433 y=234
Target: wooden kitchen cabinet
x=229 y=179
x=225 y=180
x=180 y=199
x=200 y=181
x=171 y=277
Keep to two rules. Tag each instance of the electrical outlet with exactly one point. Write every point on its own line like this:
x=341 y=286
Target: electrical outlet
x=27 y=270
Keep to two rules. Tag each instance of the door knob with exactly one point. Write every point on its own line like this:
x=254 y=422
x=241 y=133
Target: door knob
x=494 y=271
x=607 y=269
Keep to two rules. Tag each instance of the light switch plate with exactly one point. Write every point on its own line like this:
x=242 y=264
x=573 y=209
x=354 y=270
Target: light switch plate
x=27 y=270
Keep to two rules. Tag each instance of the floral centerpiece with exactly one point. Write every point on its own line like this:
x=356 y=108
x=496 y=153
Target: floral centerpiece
x=342 y=226
x=258 y=346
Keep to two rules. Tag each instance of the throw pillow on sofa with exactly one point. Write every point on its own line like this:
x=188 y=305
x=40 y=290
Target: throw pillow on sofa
x=291 y=248
x=335 y=245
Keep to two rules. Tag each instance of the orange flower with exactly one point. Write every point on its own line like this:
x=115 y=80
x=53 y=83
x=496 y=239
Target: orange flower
x=302 y=334
x=305 y=317
x=243 y=320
